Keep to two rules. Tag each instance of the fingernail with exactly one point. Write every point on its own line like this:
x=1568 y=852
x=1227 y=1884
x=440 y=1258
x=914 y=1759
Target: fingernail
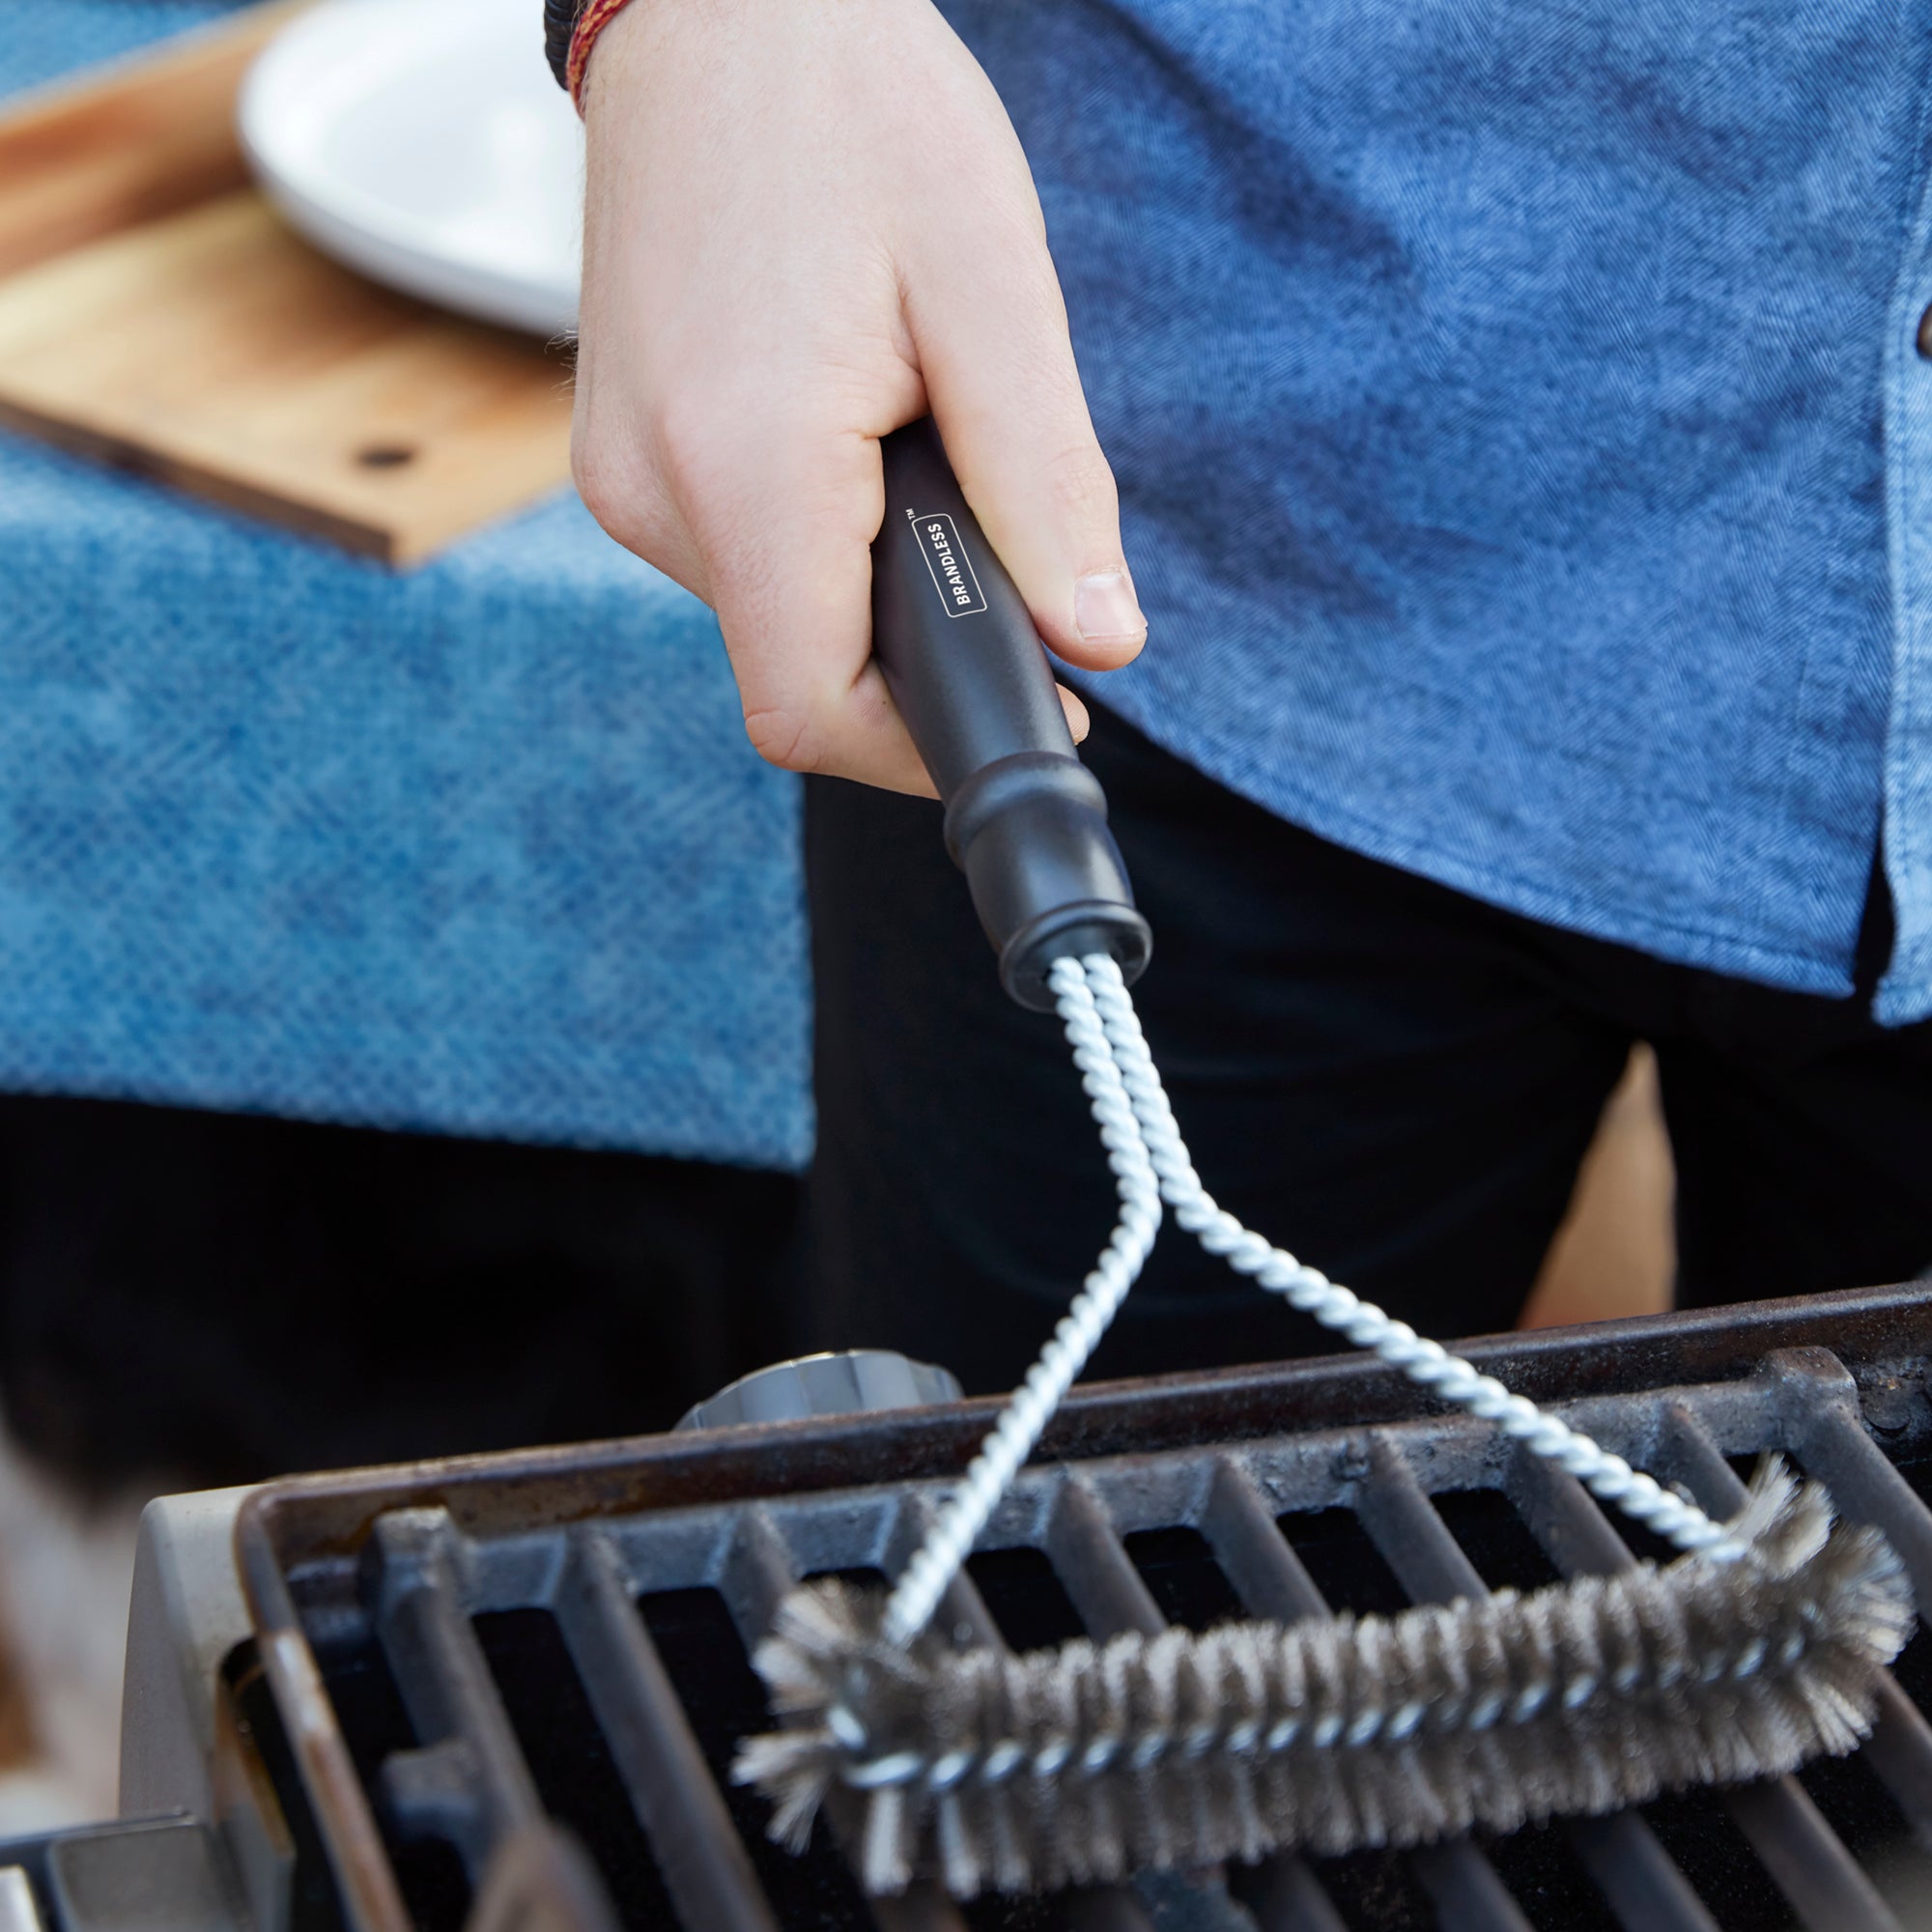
x=1105 y=607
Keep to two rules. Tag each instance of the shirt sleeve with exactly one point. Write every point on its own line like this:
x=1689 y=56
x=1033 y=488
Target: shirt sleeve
x=560 y=18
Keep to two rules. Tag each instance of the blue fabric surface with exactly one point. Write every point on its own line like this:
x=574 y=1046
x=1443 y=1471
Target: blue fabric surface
x=1502 y=397
x=42 y=42
x=480 y=847
x=1526 y=467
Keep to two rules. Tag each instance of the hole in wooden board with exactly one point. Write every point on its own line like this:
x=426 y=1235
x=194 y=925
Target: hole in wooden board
x=386 y=455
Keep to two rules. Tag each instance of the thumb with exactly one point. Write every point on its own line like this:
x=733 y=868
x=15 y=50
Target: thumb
x=1001 y=379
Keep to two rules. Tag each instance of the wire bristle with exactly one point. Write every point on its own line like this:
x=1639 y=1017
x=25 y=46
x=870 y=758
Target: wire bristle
x=1076 y=1766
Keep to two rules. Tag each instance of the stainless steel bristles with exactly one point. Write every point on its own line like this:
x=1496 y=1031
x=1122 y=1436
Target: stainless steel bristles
x=1079 y=1765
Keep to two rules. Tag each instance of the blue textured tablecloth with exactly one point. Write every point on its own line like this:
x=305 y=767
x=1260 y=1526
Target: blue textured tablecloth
x=479 y=847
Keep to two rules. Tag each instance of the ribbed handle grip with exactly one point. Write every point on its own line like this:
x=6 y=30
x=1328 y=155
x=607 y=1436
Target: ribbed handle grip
x=1024 y=819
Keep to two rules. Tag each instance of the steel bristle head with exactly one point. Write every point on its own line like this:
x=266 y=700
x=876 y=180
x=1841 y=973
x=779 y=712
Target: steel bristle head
x=1079 y=1765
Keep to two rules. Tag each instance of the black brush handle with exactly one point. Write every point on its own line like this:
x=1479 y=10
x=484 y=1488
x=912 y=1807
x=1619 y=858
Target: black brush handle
x=1024 y=819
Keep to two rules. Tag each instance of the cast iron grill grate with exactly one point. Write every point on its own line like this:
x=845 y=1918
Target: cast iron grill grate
x=467 y=1657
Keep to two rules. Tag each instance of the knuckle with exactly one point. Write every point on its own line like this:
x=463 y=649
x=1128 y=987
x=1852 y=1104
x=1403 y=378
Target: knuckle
x=1080 y=485
x=617 y=490
x=784 y=738
x=691 y=432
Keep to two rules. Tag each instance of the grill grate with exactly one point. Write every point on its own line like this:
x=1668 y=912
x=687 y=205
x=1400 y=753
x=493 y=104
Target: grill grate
x=468 y=1655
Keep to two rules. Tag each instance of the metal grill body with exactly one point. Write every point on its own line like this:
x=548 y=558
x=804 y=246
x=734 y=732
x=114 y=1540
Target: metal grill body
x=464 y=1657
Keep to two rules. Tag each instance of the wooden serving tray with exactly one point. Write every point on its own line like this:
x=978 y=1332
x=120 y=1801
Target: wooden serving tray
x=154 y=312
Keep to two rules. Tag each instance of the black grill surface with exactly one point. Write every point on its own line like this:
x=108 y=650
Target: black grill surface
x=507 y=1689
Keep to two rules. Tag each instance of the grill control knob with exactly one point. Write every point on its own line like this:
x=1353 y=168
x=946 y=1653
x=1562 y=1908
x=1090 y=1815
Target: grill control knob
x=848 y=1382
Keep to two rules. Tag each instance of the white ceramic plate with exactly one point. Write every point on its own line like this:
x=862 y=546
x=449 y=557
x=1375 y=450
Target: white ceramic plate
x=424 y=143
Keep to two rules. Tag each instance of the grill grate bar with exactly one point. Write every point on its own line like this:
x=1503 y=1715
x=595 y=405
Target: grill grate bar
x=1899 y=1750
x=1286 y=1896
x=1112 y=1595
x=1819 y=1404
x=1092 y=1563
x=1271 y=1581
x=1563 y=1517
x=1108 y=1908
x=1786 y=1829
x=760 y=1570
x=1415 y=1540
x=1803 y=1854
x=1468 y=1892
x=1630 y=1867
x=1417 y=1546
x=470 y=1780
x=704 y=1860
x=1637 y=1876
x=962 y=1613
x=920 y=1908
x=926 y=1907
x=397 y=1568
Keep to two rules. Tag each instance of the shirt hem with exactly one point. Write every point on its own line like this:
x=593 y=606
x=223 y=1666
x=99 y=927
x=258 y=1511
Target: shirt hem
x=1678 y=945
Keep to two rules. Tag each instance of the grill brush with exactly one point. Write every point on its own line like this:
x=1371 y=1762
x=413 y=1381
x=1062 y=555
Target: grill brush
x=1759 y=1647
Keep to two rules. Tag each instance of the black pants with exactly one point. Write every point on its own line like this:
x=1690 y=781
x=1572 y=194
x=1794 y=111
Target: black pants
x=1393 y=1080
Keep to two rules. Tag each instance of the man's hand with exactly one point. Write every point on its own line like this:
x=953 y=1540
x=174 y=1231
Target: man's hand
x=806 y=225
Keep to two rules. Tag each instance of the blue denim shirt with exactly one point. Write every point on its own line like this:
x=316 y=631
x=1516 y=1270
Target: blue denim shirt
x=1525 y=458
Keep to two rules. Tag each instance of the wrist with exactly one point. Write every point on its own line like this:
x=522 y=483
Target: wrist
x=572 y=30
x=593 y=16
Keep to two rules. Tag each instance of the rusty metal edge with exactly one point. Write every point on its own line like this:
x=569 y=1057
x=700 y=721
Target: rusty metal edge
x=306 y=1517
x=284 y=1523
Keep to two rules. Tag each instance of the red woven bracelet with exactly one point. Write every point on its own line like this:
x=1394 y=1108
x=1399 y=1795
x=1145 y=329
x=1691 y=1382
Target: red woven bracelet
x=596 y=16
